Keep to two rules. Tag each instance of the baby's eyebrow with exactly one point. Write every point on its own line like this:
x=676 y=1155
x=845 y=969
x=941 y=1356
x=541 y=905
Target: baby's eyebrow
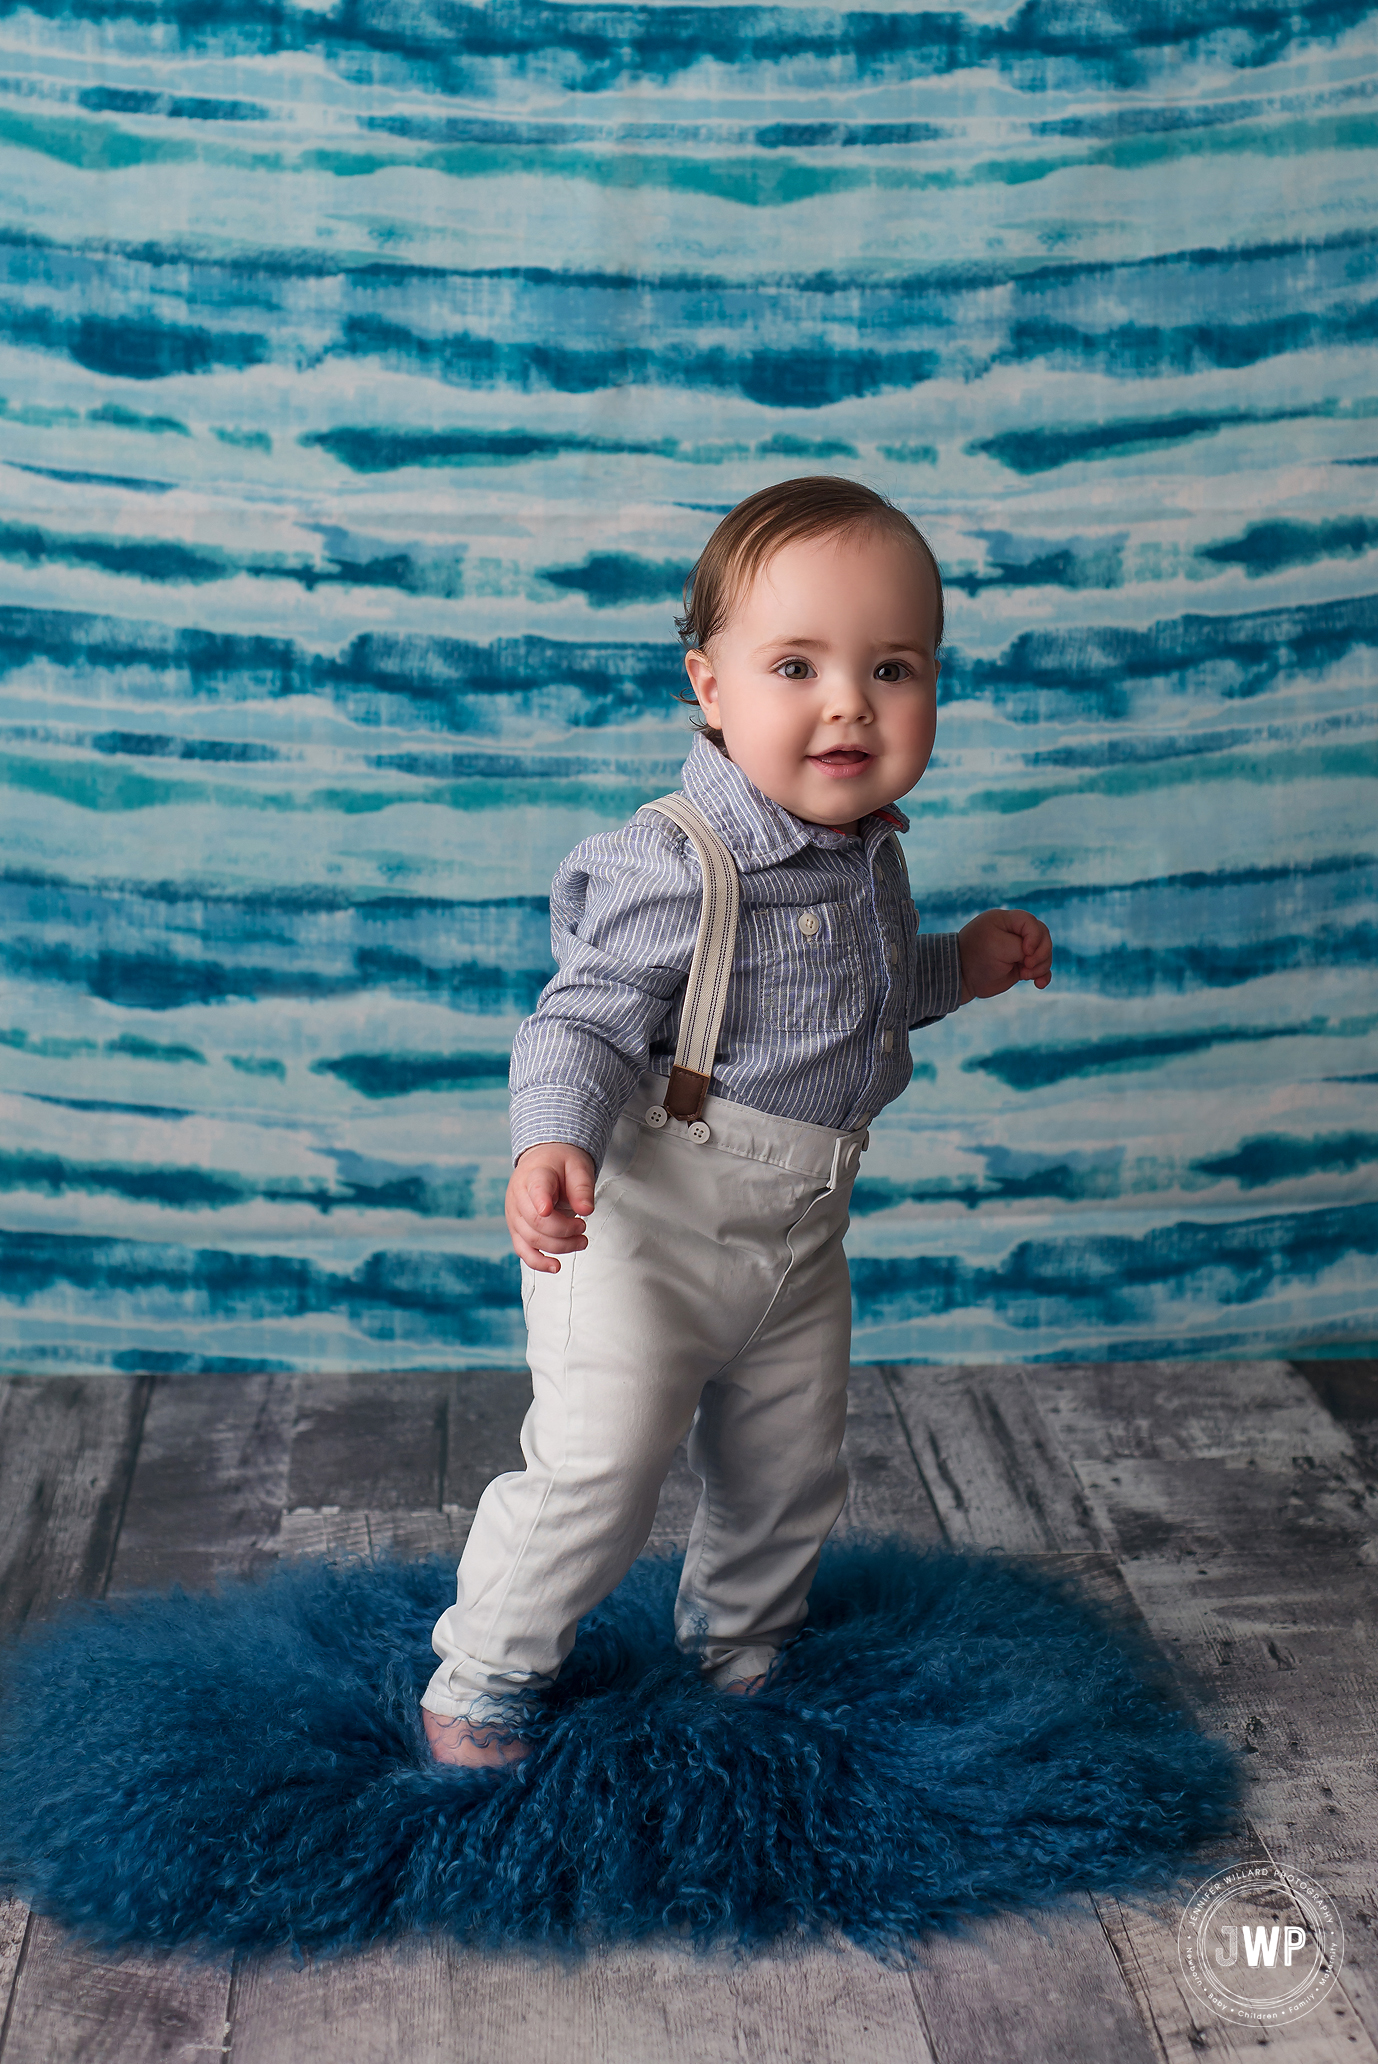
x=824 y=645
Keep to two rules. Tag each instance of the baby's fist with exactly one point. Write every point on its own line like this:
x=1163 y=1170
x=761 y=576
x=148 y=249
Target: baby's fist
x=549 y=1196
x=1000 y=948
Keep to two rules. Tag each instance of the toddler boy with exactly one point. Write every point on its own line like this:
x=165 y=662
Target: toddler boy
x=739 y=970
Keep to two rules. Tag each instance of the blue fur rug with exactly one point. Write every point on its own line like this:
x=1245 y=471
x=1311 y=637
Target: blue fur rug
x=951 y=1734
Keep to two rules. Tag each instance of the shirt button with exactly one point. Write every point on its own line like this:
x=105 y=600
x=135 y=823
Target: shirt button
x=809 y=922
x=892 y=953
x=887 y=1040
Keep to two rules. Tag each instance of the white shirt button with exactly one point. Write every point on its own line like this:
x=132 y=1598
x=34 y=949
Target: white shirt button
x=699 y=1133
x=809 y=923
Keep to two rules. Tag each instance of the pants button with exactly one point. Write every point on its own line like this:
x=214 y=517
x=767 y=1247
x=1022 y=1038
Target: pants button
x=657 y=1115
x=699 y=1133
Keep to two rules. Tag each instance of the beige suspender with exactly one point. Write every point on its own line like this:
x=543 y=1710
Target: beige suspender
x=705 y=994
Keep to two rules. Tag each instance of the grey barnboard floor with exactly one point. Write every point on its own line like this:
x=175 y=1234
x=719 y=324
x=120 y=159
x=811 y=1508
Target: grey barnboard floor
x=1237 y=1503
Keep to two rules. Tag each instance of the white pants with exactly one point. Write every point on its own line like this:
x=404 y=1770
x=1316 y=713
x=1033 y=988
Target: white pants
x=713 y=1300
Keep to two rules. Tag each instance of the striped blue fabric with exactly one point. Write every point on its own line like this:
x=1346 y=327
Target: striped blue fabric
x=370 y=376
x=817 y=1016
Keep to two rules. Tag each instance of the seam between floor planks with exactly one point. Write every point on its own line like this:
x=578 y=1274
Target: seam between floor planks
x=15 y=1921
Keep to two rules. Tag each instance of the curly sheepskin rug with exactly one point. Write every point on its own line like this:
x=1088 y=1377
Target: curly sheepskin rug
x=951 y=1734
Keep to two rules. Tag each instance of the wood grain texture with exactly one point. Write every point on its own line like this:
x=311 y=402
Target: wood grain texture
x=199 y=1501
x=370 y=1439
x=1235 y=1513
x=885 y=1492
x=342 y=1535
x=798 y=2006
x=1356 y=1895
x=67 y=1448
x=210 y=1482
x=1274 y=1648
x=1045 y=1988
x=75 y=2005
x=1244 y=1525
x=427 y=2002
x=1348 y=1389
x=1143 y=1938
x=983 y=1450
x=1212 y=1455
x=1286 y=1655
x=388 y=2006
x=14 y=1924
x=1244 y=1519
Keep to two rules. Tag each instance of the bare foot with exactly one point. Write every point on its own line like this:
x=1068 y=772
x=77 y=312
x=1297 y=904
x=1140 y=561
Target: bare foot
x=474 y=1747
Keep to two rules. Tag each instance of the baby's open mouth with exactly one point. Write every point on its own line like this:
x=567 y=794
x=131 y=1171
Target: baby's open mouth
x=845 y=759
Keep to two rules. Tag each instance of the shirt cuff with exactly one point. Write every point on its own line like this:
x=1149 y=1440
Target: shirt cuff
x=552 y=1111
x=939 y=987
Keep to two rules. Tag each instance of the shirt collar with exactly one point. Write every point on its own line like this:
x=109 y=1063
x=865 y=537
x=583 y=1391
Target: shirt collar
x=760 y=832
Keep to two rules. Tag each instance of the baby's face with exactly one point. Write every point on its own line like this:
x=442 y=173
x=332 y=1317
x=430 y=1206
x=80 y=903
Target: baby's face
x=823 y=682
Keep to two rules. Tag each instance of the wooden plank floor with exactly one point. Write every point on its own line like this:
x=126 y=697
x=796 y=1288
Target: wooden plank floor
x=1235 y=1504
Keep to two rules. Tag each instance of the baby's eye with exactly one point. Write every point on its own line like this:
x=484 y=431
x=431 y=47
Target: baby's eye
x=794 y=669
x=891 y=670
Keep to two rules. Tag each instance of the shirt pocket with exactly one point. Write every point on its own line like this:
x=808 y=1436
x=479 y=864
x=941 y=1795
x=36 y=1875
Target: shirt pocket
x=810 y=971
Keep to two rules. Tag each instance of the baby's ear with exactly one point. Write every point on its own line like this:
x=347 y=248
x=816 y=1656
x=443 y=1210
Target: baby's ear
x=703 y=681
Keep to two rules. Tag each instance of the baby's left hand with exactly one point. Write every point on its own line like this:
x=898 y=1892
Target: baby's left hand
x=1000 y=948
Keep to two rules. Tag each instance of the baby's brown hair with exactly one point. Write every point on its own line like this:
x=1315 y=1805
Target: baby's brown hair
x=817 y=505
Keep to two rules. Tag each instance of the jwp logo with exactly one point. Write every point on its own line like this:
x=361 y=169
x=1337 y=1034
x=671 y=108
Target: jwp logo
x=1260 y=1944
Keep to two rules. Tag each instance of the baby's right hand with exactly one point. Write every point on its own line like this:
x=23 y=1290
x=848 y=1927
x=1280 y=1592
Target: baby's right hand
x=551 y=1186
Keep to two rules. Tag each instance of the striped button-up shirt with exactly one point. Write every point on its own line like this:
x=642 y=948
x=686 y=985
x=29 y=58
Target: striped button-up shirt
x=829 y=972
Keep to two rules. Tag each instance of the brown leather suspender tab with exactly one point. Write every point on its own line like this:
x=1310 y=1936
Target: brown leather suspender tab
x=686 y=1092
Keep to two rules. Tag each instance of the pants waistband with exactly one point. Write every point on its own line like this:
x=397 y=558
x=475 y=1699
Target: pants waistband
x=815 y=1151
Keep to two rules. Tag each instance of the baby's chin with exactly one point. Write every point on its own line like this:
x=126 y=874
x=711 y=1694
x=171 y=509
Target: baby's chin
x=832 y=799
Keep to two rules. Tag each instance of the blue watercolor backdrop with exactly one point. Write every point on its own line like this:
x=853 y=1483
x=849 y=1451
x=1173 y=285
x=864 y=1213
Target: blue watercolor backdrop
x=368 y=379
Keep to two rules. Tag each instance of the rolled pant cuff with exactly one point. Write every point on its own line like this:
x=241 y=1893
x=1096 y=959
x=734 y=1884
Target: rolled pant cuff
x=509 y=1710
